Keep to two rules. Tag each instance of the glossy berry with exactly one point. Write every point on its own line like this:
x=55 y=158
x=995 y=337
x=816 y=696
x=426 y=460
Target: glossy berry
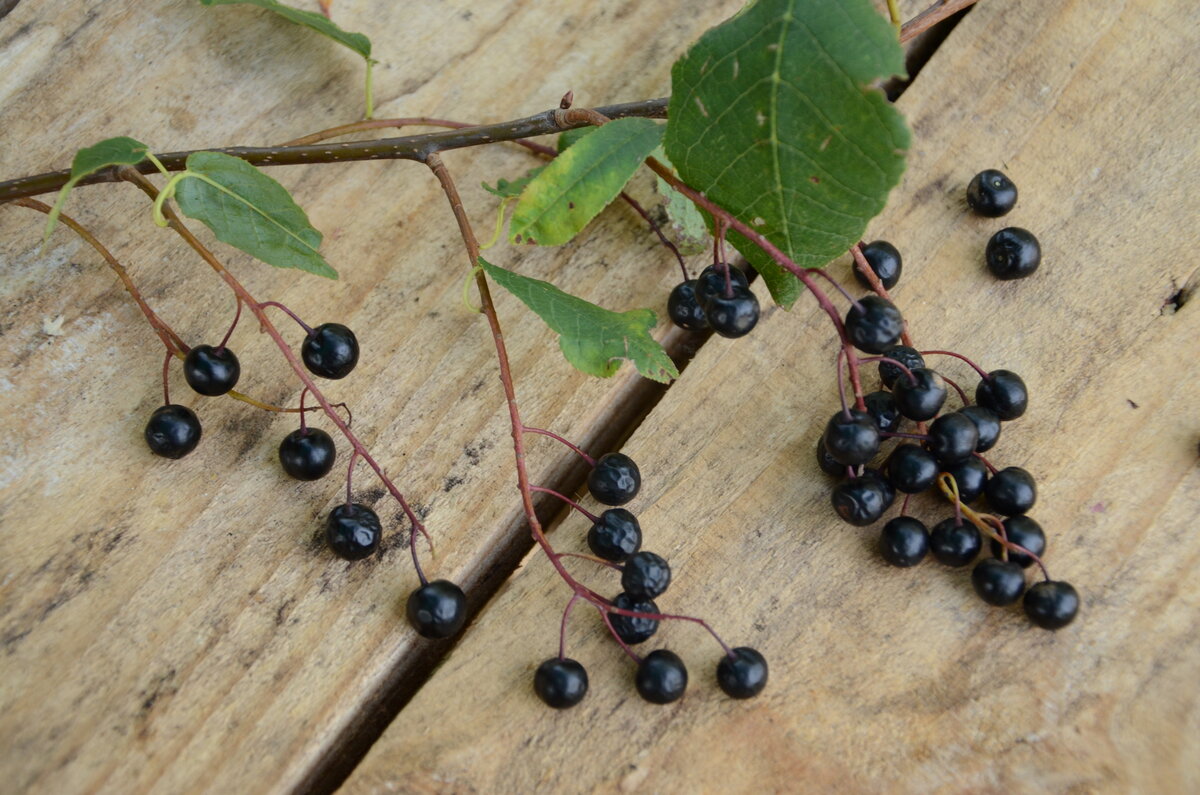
x=885 y=260
x=987 y=424
x=883 y=410
x=616 y=535
x=173 y=431
x=743 y=675
x=330 y=351
x=904 y=541
x=828 y=464
x=859 y=501
x=1051 y=604
x=437 y=609
x=1024 y=532
x=661 y=677
x=888 y=490
x=954 y=544
x=712 y=281
x=912 y=469
x=970 y=476
x=874 y=324
x=1013 y=253
x=952 y=438
x=211 y=371
x=909 y=357
x=1011 y=491
x=615 y=479
x=1003 y=393
x=732 y=316
x=922 y=397
x=998 y=582
x=560 y=683
x=645 y=575
x=991 y=194
x=683 y=307
x=632 y=629
x=852 y=437
x=353 y=531
x=307 y=454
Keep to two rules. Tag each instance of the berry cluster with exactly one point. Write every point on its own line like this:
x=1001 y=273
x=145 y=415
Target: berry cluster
x=719 y=299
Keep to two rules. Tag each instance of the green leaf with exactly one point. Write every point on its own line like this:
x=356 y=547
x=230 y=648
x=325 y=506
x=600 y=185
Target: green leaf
x=248 y=210
x=565 y=139
x=120 y=151
x=593 y=339
x=688 y=226
x=582 y=181
x=773 y=117
x=507 y=189
x=310 y=19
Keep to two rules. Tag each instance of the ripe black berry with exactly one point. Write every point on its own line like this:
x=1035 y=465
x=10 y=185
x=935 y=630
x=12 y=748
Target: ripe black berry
x=991 y=194
x=911 y=469
x=353 y=532
x=743 y=675
x=1051 y=604
x=1011 y=491
x=1003 y=393
x=904 y=541
x=828 y=464
x=874 y=324
x=889 y=491
x=885 y=260
x=211 y=371
x=1024 y=532
x=986 y=423
x=631 y=629
x=954 y=544
x=909 y=357
x=883 y=410
x=684 y=308
x=437 y=609
x=852 y=439
x=561 y=683
x=645 y=575
x=970 y=477
x=859 y=501
x=1013 y=253
x=330 y=351
x=733 y=316
x=307 y=454
x=661 y=677
x=998 y=582
x=616 y=535
x=952 y=438
x=712 y=281
x=615 y=479
x=921 y=398
x=173 y=431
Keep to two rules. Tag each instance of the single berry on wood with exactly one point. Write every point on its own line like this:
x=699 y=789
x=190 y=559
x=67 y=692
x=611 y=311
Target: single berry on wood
x=732 y=316
x=954 y=544
x=828 y=464
x=615 y=479
x=633 y=629
x=986 y=423
x=874 y=324
x=330 y=351
x=885 y=260
x=991 y=194
x=904 y=541
x=1003 y=393
x=998 y=582
x=173 y=431
x=307 y=454
x=560 y=683
x=353 y=531
x=1051 y=604
x=616 y=535
x=646 y=575
x=852 y=437
x=661 y=677
x=952 y=438
x=1011 y=491
x=438 y=609
x=920 y=398
x=912 y=469
x=859 y=501
x=744 y=674
x=883 y=410
x=909 y=357
x=1013 y=253
x=211 y=371
x=970 y=476
x=683 y=306
x=1024 y=532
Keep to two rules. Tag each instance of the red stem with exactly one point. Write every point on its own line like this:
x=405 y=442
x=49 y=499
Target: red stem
x=591 y=461
x=567 y=500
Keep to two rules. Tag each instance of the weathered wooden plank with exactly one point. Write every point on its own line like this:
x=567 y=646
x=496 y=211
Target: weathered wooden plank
x=884 y=679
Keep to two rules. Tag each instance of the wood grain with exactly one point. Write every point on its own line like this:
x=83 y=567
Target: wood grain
x=902 y=680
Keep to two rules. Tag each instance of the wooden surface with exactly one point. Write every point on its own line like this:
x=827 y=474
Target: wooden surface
x=171 y=626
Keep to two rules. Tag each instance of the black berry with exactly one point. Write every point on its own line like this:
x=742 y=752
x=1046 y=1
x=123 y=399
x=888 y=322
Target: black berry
x=307 y=454
x=616 y=535
x=970 y=477
x=859 y=501
x=909 y=357
x=954 y=544
x=852 y=437
x=920 y=398
x=632 y=629
x=998 y=582
x=615 y=479
x=661 y=677
x=173 y=431
x=732 y=316
x=952 y=438
x=904 y=541
x=683 y=306
x=911 y=469
x=437 y=609
x=330 y=351
x=1003 y=393
x=211 y=371
x=1013 y=253
x=645 y=575
x=1024 y=532
x=744 y=674
x=885 y=260
x=712 y=281
x=1051 y=604
x=991 y=194
x=874 y=324
x=889 y=491
x=353 y=531
x=1011 y=491
x=561 y=683
x=883 y=410
x=828 y=464
x=986 y=423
